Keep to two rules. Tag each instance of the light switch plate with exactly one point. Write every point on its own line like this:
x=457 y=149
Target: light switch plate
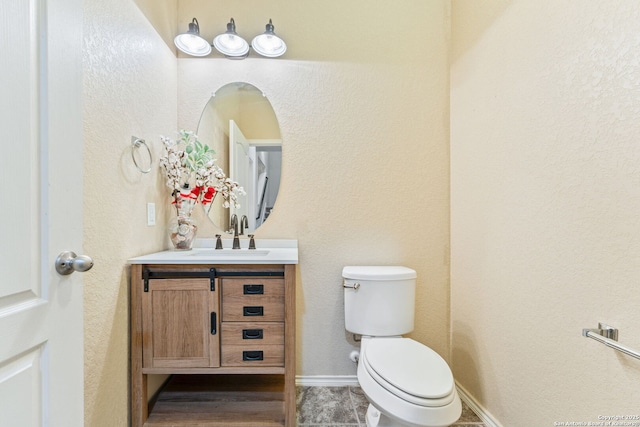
x=151 y=214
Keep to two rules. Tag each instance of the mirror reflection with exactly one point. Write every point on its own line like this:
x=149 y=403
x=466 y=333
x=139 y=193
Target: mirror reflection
x=239 y=123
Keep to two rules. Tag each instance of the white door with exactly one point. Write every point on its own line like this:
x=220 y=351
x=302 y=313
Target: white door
x=242 y=169
x=41 y=353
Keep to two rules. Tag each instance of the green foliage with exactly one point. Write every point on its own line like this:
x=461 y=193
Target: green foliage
x=198 y=155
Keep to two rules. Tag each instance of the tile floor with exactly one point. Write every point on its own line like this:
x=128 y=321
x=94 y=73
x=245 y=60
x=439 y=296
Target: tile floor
x=346 y=407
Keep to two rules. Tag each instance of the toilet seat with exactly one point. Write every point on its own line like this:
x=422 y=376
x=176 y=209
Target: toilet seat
x=409 y=370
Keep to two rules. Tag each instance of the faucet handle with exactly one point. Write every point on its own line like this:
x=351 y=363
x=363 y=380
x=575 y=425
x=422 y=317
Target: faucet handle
x=252 y=242
x=218 y=241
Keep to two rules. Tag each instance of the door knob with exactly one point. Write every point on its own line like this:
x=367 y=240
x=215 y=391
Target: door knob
x=68 y=262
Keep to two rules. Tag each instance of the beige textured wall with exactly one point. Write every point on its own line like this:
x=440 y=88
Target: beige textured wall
x=365 y=149
x=545 y=196
x=162 y=15
x=129 y=89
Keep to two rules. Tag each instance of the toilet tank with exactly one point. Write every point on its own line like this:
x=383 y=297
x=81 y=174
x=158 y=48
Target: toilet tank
x=379 y=300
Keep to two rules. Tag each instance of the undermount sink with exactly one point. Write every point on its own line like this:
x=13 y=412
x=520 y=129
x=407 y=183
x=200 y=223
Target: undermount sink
x=229 y=252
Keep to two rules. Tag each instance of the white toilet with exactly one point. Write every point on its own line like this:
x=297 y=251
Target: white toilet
x=406 y=383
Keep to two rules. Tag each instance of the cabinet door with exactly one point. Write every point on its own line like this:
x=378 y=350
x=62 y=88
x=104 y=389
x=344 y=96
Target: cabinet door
x=180 y=324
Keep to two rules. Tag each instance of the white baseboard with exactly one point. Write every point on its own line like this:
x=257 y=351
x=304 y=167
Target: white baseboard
x=326 y=380
x=482 y=413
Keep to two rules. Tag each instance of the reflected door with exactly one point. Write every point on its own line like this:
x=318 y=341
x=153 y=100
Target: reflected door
x=41 y=354
x=242 y=168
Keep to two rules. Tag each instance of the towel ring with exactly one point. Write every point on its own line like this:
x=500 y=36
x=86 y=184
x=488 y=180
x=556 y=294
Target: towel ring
x=135 y=144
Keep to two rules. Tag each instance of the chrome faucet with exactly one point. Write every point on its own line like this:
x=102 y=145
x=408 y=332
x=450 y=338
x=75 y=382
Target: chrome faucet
x=234 y=226
x=244 y=223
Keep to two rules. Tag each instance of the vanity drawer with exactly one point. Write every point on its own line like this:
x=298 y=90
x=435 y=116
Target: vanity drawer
x=252 y=355
x=252 y=334
x=252 y=300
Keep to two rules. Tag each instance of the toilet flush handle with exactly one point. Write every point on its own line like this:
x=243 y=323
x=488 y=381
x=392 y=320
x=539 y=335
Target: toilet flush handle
x=355 y=286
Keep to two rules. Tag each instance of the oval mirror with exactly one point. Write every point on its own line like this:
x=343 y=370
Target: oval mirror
x=239 y=123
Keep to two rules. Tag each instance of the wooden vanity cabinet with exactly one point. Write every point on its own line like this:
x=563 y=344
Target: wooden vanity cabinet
x=226 y=336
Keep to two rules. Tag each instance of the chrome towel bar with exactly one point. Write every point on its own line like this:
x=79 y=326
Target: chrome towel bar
x=608 y=336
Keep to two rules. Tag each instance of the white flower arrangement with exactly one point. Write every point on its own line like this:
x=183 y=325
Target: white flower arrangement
x=193 y=175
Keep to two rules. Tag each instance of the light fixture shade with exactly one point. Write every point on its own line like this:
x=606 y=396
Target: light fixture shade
x=230 y=43
x=191 y=42
x=268 y=44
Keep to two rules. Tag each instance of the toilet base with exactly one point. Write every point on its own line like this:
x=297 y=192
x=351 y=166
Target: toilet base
x=375 y=418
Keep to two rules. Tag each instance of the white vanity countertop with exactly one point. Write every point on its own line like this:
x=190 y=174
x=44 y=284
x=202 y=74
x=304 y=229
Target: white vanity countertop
x=268 y=251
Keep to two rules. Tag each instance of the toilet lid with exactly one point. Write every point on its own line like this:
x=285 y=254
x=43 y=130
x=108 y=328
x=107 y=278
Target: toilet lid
x=410 y=367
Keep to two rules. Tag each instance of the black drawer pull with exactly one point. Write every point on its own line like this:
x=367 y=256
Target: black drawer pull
x=214 y=323
x=252 y=355
x=252 y=334
x=253 y=311
x=253 y=289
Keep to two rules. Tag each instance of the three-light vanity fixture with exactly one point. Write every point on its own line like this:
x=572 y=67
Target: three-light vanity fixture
x=229 y=43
